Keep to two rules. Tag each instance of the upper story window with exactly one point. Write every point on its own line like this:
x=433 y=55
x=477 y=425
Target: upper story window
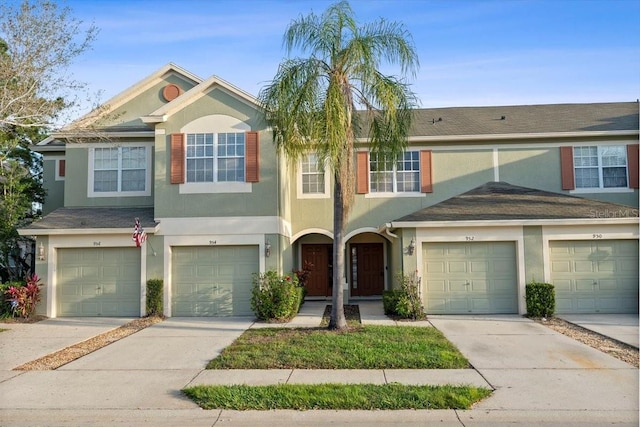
x=401 y=176
x=313 y=181
x=312 y=175
x=120 y=171
x=600 y=167
x=215 y=157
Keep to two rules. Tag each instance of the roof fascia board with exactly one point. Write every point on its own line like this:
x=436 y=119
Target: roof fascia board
x=77 y=231
x=507 y=223
x=505 y=136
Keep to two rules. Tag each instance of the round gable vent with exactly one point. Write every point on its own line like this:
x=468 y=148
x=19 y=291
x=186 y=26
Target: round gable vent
x=171 y=92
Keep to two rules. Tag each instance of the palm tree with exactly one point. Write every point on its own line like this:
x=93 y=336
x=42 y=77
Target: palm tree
x=311 y=105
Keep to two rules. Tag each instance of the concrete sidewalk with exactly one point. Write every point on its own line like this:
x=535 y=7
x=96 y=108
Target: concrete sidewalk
x=540 y=376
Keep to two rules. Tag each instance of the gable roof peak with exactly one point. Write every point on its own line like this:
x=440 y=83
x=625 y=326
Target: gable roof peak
x=131 y=92
x=195 y=93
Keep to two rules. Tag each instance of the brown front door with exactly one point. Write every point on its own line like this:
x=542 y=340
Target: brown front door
x=319 y=256
x=367 y=269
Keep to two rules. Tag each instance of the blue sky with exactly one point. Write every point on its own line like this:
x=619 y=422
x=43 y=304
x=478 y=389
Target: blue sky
x=474 y=52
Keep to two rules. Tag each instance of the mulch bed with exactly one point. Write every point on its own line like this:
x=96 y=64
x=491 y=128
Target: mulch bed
x=351 y=313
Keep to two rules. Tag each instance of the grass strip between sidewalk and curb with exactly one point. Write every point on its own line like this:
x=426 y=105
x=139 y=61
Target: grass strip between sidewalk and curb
x=335 y=396
x=368 y=347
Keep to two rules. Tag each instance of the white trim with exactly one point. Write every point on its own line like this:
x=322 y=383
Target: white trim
x=597 y=190
x=496 y=165
x=476 y=234
x=215 y=187
x=221 y=226
x=363 y=230
x=79 y=231
x=90 y=174
x=507 y=223
x=401 y=195
x=518 y=136
x=308 y=231
x=512 y=145
x=602 y=232
x=206 y=240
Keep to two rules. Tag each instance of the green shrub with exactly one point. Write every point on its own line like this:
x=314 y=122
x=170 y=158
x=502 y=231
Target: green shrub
x=405 y=302
x=541 y=299
x=155 y=296
x=390 y=301
x=276 y=298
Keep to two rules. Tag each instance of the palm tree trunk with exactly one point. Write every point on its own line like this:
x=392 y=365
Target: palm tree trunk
x=337 y=320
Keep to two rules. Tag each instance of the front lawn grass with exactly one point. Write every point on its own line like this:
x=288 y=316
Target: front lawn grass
x=335 y=396
x=368 y=347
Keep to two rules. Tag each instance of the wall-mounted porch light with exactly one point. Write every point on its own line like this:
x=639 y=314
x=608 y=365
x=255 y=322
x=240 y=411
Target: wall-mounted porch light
x=41 y=254
x=267 y=249
x=412 y=247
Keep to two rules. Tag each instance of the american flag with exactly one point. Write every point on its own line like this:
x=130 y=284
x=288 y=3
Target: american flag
x=139 y=235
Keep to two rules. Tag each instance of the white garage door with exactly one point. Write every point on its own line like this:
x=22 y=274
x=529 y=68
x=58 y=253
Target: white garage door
x=473 y=277
x=98 y=282
x=213 y=280
x=595 y=276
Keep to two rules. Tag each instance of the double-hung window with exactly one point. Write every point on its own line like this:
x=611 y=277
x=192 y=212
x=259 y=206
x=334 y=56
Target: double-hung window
x=400 y=176
x=312 y=175
x=600 y=167
x=215 y=157
x=122 y=171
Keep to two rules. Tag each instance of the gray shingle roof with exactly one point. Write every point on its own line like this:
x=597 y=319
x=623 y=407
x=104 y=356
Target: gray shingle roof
x=86 y=218
x=502 y=201
x=525 y=119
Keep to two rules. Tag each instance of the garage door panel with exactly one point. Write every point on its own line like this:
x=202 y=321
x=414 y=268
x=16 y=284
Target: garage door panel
x=434 y=286
x=98 y=282
x=480 y=305
x=604 y=277
x=479 y=267
x=478 y=286
x=561 y=266
x=435 y=267
x=456 y=267
x=213 y=281
x=456 y=286
x=583 y=267
x=478 y=277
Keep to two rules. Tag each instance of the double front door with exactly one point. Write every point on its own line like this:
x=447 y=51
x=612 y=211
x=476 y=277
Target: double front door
x=366 y=266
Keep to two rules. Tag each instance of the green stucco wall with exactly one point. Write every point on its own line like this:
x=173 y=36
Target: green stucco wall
x=533 y=255
x=54 y=197
x=76 y=182
x=264 y=198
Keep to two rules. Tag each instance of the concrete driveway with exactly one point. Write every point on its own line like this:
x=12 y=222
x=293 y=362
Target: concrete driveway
x=540 y=378
x=539 y=373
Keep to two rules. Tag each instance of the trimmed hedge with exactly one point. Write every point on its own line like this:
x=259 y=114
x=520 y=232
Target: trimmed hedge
x=155 y=306
x=541 y=299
